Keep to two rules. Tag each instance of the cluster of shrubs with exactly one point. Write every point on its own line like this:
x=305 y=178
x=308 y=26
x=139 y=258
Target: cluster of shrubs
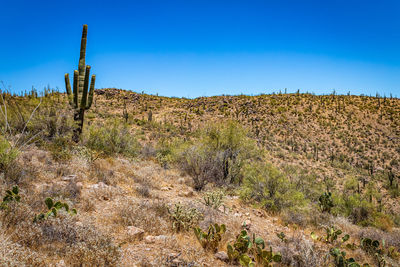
x=79 y=244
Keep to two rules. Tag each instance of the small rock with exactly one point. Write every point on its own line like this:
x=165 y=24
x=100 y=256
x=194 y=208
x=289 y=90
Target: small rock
x=222 y=209
x=174 y=259
x=247 y=214
x=60 y=183
x=186 y=193
x=165 y=188
x=152 y=239
x=181 y=181
x=79 y=185
x=174 y=255
x=189 y=193
x=177 y=262
x=259 y=213
x=134 y=233
x=61 y=263
x=237 y=214
x=222 y=256
x=69 y=178
x=98 y=185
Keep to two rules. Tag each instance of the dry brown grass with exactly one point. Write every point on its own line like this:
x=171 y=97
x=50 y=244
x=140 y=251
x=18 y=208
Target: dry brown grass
x=149 y=215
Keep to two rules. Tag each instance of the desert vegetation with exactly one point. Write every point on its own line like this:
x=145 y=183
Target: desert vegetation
x=199 y=183
x=110 y=177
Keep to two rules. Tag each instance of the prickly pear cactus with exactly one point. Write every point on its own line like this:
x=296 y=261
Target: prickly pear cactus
x=11 y=195
x=53 y=208
x=210 y=240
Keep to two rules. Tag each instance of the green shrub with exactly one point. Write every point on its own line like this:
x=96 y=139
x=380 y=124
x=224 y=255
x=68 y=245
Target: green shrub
x=166 y=151
x=8 y=154
x=218 y=155
x=265 y=184
x=112 y=138
x=60 y=148
x=326 y=202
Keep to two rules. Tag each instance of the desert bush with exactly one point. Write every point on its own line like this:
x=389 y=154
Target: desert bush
x=70 y=191
x=298 y=251
x=266 y=185
x=166 y=151
x=101 y=171
x=78 y=244
x=326 y=202
x=149 y=215
x=92 y=248
x=361 y=211
x=218 y=155
x=300 y=217
x=15 y=255
x=202 y=165
x=148 y=151
x=60 y=148
x=183 y=217
x=304 y=181
x=143 y=190
x=8 y=154
x=16 y=172
x=111 y=138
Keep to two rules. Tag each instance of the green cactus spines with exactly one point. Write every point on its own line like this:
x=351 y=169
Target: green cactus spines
x=210 y=240
x=76 y=94
x=82 y=58
x=68 y=89
x=81 y=96
x=340 y=259
x=246 y=249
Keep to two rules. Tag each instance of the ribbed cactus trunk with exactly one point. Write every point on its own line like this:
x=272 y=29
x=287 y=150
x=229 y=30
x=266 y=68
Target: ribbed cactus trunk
x=81 y=98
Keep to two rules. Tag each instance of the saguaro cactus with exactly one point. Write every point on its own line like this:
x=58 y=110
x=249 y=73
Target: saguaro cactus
x=79 y=99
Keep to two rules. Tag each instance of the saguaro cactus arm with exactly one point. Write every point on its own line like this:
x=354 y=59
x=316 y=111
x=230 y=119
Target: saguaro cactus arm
x=85 y=88
x=91 y=92
x=68 y=88
x=76 y=95
x=81 y=65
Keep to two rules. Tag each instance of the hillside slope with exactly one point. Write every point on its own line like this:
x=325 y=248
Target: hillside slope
x=148 y=169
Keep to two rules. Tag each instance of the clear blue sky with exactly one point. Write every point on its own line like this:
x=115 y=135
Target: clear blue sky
x=199 y=47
